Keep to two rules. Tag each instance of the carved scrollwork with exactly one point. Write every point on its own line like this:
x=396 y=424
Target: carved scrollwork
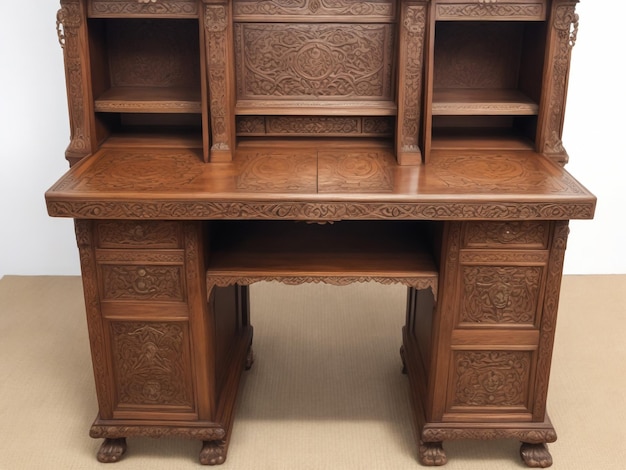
x=434 y=434
x=206 y=432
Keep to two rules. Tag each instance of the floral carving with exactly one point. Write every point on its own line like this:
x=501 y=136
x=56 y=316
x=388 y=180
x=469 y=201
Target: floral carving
x=149 y=360
x=130 y=233
x=434 y=434
x=500 y=294
x=349 y=8
x=206 y=432
x=527 y=11
x=147 y=282
x=491 y=378
x=106 y=8
x=316 y=60
x=528 y=234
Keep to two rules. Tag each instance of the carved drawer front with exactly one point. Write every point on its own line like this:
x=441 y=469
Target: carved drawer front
x=484 y=10
x=500 y=296
x=307 y=10
x=151 y=368
x=491 y=381
x=138 y=234
x=507 y=235
x=143 y=8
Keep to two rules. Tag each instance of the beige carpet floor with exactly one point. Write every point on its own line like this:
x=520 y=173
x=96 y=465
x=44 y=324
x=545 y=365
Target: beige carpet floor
x=325 y=392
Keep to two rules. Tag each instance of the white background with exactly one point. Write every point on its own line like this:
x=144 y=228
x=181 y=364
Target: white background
x=34 y=133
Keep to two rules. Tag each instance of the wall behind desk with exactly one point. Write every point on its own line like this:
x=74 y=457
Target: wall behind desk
x=34 y=133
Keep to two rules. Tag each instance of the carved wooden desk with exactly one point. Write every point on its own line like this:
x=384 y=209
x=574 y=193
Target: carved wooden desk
x=217 y=143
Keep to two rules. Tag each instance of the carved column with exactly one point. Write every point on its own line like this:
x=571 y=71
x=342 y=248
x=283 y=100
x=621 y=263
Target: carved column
x=412 y=28
x=563 y=26
x=72 y=33
x=220 y=60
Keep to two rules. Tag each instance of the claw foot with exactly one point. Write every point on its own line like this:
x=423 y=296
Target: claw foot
x=111 y=450
x=432 y=454
x=535 y=455
x=249 y=359
x=213 y=453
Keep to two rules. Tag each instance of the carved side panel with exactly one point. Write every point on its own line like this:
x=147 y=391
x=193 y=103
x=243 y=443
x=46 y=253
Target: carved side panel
x=410 y=66
x=296 y=61
x=71 y=31
x=217 y=24
x=562 y=37
x=492 y=379
x=151 y=362
x=500 y=295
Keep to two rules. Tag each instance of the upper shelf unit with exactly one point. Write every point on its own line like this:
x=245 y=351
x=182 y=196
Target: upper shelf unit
x=146 y=76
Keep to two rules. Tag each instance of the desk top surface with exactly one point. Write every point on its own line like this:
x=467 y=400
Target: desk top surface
x=309 y=182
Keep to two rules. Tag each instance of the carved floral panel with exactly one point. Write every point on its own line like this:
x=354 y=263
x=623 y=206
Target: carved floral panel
x=150 y=362
x=519 y=234
x=138 y=234
x=491 y=378
x=500 y=295
x=142 y=282
x=298 y=61
x=162 y=8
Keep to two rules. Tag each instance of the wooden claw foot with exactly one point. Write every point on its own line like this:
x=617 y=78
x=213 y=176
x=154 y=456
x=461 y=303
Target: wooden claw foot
x=213 y=453
x=111 y=450
x=432 y=454
x=249 y=359
x=404 y=371
x=535 y=455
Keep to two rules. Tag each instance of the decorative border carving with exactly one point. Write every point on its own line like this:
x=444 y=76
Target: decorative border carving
x=532 y=436
x=356 y=9
x=331 y=211
x=69 y=22
x=484 y=9
x=102 y=8
x=207 y=433
x=565 y=24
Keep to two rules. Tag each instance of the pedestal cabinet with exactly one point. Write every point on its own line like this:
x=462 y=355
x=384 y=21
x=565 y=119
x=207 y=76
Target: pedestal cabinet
x=218 y=143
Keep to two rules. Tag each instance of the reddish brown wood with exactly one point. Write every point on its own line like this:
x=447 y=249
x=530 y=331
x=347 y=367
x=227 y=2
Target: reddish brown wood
x=214 y=162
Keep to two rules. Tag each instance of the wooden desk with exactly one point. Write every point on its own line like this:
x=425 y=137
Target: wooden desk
x=217 y=143
x=478 y=239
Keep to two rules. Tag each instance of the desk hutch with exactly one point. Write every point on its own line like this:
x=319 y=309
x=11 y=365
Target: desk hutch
x=217 y=143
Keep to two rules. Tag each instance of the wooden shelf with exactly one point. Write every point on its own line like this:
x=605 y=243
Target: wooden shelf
x=358 y=250
x=485 y=102
x=315 y=108
x=149 y=100
x=482 y=138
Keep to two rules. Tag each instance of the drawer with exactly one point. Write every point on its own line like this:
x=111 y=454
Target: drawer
x=143 y=282
x=143 y=8
x=530 y=235
x=380 y=10
x=138 y=234
x=498 y=10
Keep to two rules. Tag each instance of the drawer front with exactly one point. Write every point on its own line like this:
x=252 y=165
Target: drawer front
x=531 y=235
x=138 y=235
x=151 y=368
x=473 y=10
x=143 y=8
x=496 y=382
x=143 y=282
x=273 y=10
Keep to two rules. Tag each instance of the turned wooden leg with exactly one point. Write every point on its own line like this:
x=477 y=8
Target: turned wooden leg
x=213 y=453
x=535 y=455
x=404 y=371
x=112 y=450
x=249 y=359
x=432 y=454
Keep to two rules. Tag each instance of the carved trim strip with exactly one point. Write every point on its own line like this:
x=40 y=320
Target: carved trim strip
x=484 y=10
x=208 y=432
x=244 y=10
x=341 y=126
x=331 y=211
x=565 y=25
x=69 y=24
x=221 y=280
x=413 y=28
x=140 y=256
x=158 y=8
x=84 y=239
x=549 y=315
x=532 y=436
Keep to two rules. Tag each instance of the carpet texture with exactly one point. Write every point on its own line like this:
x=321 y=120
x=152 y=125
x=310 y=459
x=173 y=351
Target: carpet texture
x=325 y=391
